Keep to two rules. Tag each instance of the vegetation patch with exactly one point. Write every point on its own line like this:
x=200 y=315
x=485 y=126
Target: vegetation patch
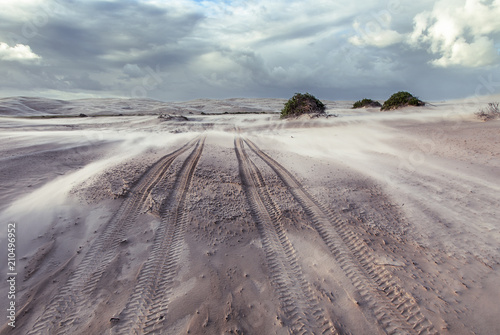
x=489 y=113
x=401 y=99
x=168 y=117
x=366 y=103
x=302 y=104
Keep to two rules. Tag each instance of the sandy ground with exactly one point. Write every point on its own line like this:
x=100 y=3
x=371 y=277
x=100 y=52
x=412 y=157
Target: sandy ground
x=364 y=223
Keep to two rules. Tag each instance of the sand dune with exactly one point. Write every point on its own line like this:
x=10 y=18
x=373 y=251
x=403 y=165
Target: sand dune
x=365 y=223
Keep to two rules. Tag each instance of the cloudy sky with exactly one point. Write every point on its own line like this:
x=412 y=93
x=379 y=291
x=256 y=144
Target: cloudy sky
x=187 y=49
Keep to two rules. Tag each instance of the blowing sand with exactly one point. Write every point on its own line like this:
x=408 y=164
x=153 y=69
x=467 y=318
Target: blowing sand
x=364 y=223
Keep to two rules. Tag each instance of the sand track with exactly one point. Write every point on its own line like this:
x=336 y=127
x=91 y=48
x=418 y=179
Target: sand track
x=395 y=309
x=62 y=310
x=248 y=224
x=147 y=308
x=297 y=300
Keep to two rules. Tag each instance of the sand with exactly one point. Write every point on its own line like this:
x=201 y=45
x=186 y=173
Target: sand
x=365 y=222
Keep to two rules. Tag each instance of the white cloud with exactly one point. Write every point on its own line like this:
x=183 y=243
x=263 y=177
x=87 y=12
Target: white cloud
x=480 y=52
x=460 y=34
x=30 y=15
x=456 y=33
x=19 y=7
x=20 y=53
x=378 y=37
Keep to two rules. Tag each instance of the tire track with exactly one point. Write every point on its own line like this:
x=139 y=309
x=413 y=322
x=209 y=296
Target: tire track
x=62 y=311
x=395 y=309
x=295 y=294
x=146 y=310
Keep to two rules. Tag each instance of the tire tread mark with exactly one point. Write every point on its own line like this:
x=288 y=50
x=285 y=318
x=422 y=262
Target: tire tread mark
x=395 y=309
x=294 y=292
x=62 y=311
x=147 y=307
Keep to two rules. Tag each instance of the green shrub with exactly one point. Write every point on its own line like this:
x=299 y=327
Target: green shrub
x=414 y=102
x=366 y=103
x=302 y=104
x=401 y=99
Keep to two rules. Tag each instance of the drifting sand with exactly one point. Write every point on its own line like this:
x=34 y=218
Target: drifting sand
x=365 y=223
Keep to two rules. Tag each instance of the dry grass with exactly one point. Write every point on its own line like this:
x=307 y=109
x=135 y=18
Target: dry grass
x=489 y=113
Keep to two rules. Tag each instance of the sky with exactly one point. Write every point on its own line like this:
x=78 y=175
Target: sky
x=175 y=50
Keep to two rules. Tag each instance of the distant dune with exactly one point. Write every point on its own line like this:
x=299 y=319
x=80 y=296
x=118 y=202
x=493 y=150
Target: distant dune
x=31 y=106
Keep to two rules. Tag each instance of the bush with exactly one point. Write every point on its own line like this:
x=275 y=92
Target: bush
x=302 y=104
x=401 y=99
x=491 y=112
x=366 y=103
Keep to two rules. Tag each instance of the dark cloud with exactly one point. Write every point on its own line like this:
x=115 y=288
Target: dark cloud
x=186 y=49
x=95 y=30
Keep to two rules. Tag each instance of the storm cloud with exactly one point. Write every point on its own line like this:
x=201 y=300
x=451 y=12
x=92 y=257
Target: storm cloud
x=186 y=49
